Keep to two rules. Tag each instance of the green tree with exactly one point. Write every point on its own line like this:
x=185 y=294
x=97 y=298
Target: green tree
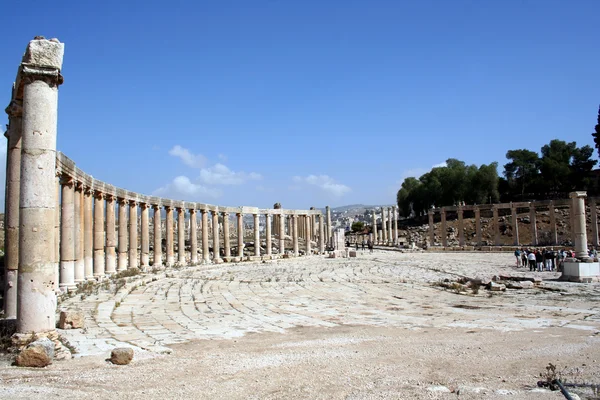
x=555 y=166
x=522 y=172
x=596 y=134
x=357 y=226
x=403 y=197
x=581 y=165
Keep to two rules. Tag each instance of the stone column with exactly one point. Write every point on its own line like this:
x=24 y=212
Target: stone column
x=78 y=235
x=123 y=238
x=553 y=233
x=307 y=234
x=395 y=211
x=194 y=236
x=111 y=240
x=461 y=227
x=390 y=228
x=145 y=241
x=328 y=212
x=67 y=235
x=515 y=225
x=205 y=247
x=216 y=244
x=594 y=222
x=496 y=225
x=170 y=246
x=578 y=228
x=226 y=235
x=56 y=247
x=444 y=230
x=321 y=234
x=39 y=77
x=431 y=232
x=256 y=236
x=478 y=225
x=99 y=268
x=532 y=217
x=133 y=234
x=11 y=207
x=157 y=261
x=240 y=235
x=268 y=233
x=88 y=235
x=281 y=226
x=374 y=227
x=181 y=236
x=295 y=234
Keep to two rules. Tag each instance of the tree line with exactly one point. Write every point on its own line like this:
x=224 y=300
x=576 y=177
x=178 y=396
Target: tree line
x=558 y=169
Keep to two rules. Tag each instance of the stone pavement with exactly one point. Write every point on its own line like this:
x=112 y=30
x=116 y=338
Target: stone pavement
x=154 y=311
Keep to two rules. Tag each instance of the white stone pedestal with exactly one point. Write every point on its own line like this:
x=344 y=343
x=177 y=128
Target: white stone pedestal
x=576 y=271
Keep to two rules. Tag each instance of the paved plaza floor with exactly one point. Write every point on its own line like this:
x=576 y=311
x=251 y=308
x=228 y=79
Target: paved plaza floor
x=375 y=326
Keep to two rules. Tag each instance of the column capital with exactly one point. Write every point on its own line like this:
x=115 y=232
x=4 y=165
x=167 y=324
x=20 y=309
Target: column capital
x=66 y=180
x=144 y=206
x=121 y=201
x=14 y=110
x=110 y=197
x=239 y=214
x=577 y=195
x=203 y=211
x=192 y=211
x=43 y=61
x=133 y=203
x=156 y=207
x=78 y=186
x=225 y=214
x=98 y=195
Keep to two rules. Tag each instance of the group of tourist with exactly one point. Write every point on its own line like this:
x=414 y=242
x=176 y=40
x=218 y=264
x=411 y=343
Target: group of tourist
x=546 y=259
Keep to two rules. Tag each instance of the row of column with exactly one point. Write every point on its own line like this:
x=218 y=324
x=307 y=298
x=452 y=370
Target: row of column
x=388 y=235
x=514 y=225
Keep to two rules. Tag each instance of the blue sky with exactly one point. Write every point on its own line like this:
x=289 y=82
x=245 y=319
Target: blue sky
x=308 y=103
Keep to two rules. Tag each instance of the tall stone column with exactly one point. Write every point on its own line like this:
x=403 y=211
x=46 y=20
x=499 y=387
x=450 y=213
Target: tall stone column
x=496 y=225
x=240 y=235
x=313 y=225
x=39 y=77
x=515 y=225
x=170 y=246
x=123 y=237
x=461 y=227
x=321 y=234
x=478 y=226
x=99 y=267
x=194 y=236
x=395 y=211
x=431 y=232
x=390 y=227
x=329 y=227
x=444 y=232
x=88 y=234
x=11 y=207
x=56 y=247
x=111 y=239
x=281 y=226
x=67 y=235
x=268 y=233
x=578 y=227
x=216 y=241
x=133 y=234
x=307 y=234
x=145 y=241
x=205 y=247
x=375 y=239
x=553 y=233
x=256 y=236
x=78 y=235
x=181 y=236
x=295 y=234
x=594 y=222
x=226 y=242
x=532 y=218
x=383 y=227
x=157 y=261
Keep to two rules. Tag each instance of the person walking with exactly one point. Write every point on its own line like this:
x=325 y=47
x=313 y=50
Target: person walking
x=524 y=257
x=539 y=259
x=518 y=256
x=531 y=259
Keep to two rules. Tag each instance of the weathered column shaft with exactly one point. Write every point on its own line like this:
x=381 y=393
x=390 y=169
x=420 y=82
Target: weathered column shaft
x=133 y=234
x=383 y=227
x=216 y=240
x=256 y=236
x=281 y=226
x=533 y=219
x=78 y=235
x=157 y=248
x=578 y=228
x=145 y=241
x=170 y=246
x=36 y=299
x=307 y=234
x=594 y=222
x=329 y=227
x=553 y=233
x=321 y=234
x=515 y=226
x=395 y=211
x=194 y=236
x=268 y=233
x=11 y=208
x=111 y=239
x=444 y=230
x=295 y=234
x=67 y=239
x=181 y=236
x=374 y=227
x=57 y=218
x=205 y=246
x=123 y=237
x=88 y=234
x=226 y=242
x=431 y=232
x=240 y=234
x=390 y=228
x=461 y=228
x=496 y=226
x=99 y=266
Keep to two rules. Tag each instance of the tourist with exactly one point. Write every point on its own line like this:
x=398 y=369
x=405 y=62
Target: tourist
x=363 y=245
x=524 y=257
x=550 y=256
x=518 y=256
x=560 y=258
x=531 y=259
x=539 y=260
x=370 y=246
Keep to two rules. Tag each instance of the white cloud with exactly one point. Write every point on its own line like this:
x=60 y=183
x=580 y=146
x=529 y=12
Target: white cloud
x=324 y=182
x=222 y=157
x=220 y=174
x=188 y=158
x=182 y=188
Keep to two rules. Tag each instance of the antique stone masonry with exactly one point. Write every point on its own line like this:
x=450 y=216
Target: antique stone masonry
x=63 y=226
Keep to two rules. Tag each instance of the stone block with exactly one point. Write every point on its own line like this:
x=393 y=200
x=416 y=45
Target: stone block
x=352 y=253
x=496 y=287
x=44 y=53
x=121 y=355
x=580 y=271
x=71 y=319
x=37 y=354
